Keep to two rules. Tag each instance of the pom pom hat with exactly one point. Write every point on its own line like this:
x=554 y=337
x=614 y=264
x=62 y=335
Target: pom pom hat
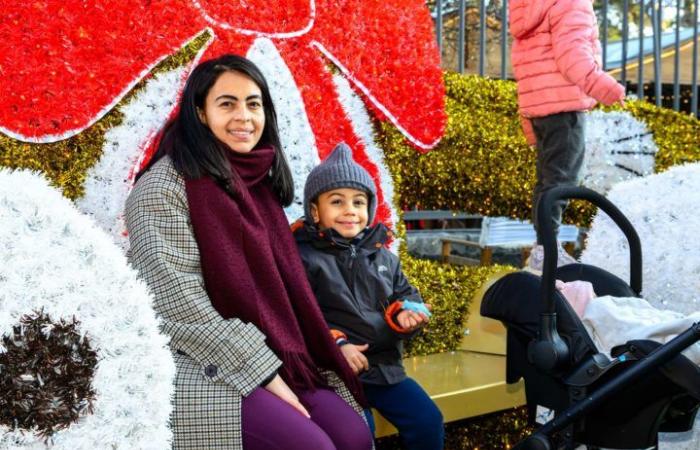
x=338 y=171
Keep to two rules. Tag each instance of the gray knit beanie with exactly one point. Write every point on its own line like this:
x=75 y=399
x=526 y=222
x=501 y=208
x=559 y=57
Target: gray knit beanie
x=337 y=171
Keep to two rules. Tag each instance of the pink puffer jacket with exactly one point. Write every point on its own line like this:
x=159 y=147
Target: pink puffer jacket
x=556 y=58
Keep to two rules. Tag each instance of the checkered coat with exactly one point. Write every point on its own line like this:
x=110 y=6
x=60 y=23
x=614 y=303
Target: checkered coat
x=218 y=361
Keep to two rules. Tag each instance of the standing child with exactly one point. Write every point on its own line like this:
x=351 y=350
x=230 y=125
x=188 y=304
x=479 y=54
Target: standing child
x=365 y=298
x=556 y=62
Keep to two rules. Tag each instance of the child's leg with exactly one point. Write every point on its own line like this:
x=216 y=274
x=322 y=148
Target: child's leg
x=407 y=406
x=370 y=421
x=560 y=152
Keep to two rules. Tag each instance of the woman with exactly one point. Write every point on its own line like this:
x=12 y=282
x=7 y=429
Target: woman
x=256 y=366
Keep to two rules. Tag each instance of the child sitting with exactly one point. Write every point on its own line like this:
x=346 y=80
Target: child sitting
x=365 y=298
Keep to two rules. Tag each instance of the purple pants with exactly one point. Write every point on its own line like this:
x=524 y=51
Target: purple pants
x=270 y=423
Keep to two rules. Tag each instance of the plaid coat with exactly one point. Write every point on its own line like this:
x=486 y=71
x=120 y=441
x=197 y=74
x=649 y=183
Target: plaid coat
x=218 y=361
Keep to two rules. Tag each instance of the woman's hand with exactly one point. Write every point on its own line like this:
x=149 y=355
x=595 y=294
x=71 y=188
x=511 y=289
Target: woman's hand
x=411 y=320
x=278 y=387
x=353 y=354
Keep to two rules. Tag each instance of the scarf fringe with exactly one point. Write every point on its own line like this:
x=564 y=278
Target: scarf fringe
x=300 y=372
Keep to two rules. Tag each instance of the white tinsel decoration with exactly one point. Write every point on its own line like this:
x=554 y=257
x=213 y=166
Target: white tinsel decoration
x=618 y=147
x=109 y=181
x=663 y=208
x=295 y=131
x=55 y=258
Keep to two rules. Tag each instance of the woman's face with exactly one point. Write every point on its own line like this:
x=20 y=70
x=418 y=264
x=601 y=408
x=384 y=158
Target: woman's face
x=233 y=111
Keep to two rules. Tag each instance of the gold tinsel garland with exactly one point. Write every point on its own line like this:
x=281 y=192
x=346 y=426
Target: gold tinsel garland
x=449 y=290
x=66 y=163
x=677 y=135
x=483 y=164
x=497 y=431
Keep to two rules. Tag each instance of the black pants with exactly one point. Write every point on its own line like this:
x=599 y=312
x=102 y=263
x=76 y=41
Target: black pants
x=560 y=151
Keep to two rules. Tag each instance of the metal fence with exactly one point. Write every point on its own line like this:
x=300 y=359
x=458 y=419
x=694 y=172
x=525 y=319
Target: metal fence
x=650 y=46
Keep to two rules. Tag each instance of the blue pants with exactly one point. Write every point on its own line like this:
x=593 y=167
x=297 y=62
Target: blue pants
x=407 y=406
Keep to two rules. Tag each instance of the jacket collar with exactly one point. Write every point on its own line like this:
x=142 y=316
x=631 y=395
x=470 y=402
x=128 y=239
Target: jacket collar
x=371 y=239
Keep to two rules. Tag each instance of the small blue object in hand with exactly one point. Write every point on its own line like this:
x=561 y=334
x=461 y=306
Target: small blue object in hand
x=416 y=307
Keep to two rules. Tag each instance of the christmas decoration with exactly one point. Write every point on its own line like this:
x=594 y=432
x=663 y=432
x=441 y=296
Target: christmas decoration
x=449 y=290
x=662 y=208
x=66 y=81
x=69 y=301
x=484 y=166
x=47 y=375
x=618 y=147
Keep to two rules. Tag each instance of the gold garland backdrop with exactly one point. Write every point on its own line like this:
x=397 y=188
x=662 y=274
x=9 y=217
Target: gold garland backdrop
x=482 y=165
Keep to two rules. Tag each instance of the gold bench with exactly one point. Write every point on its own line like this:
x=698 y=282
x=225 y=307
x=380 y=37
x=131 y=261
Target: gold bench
x=470 y=381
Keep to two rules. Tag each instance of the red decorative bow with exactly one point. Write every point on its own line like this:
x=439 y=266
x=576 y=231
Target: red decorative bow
x=66 y=63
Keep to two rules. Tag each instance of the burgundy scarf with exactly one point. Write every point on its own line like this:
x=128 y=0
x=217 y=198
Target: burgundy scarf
x=252 y=271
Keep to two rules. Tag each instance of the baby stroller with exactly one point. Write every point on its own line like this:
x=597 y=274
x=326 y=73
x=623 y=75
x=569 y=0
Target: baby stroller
x=622 y=401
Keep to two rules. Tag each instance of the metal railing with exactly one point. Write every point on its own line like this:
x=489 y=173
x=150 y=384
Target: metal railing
x=650 y=46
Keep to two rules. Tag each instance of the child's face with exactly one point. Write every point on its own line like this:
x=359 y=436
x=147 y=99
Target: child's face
x=344 y=210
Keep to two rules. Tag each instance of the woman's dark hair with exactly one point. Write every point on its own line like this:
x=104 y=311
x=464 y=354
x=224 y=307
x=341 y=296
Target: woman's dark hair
x=194 y=149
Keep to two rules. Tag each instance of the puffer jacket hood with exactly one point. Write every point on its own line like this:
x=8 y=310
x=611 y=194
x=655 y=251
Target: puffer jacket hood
x=526 y=15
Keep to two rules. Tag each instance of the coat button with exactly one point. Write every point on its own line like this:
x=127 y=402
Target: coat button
x=211 y=370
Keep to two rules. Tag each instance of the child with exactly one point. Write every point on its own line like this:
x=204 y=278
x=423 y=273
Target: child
x=365 y=298
x=556 y=62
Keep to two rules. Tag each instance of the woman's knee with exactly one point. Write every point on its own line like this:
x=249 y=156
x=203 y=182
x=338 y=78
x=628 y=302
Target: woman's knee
x=349 y=432
x=311 y=437
x=357 y=437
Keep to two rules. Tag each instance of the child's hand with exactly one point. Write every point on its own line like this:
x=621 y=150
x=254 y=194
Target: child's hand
x=353 y=354
x=411 y=320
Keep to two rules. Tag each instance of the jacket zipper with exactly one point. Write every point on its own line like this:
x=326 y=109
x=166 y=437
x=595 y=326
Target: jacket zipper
x=352 y=267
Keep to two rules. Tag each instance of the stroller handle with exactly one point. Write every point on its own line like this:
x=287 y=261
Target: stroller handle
x=549 y=350
x=549 y=243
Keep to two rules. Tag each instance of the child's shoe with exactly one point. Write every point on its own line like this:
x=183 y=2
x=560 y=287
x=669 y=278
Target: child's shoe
x=535 y=261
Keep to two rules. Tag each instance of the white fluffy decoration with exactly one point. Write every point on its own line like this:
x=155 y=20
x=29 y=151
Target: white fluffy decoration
x=55 y=258
x=663 y=208
x=295 y=131
x=109 y=181
x=618 y=147
x=362 y=125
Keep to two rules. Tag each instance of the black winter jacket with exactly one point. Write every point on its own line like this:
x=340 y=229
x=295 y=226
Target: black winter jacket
x=354 y=282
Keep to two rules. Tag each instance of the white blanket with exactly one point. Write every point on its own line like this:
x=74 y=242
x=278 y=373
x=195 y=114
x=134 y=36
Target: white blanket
x=613 y=321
